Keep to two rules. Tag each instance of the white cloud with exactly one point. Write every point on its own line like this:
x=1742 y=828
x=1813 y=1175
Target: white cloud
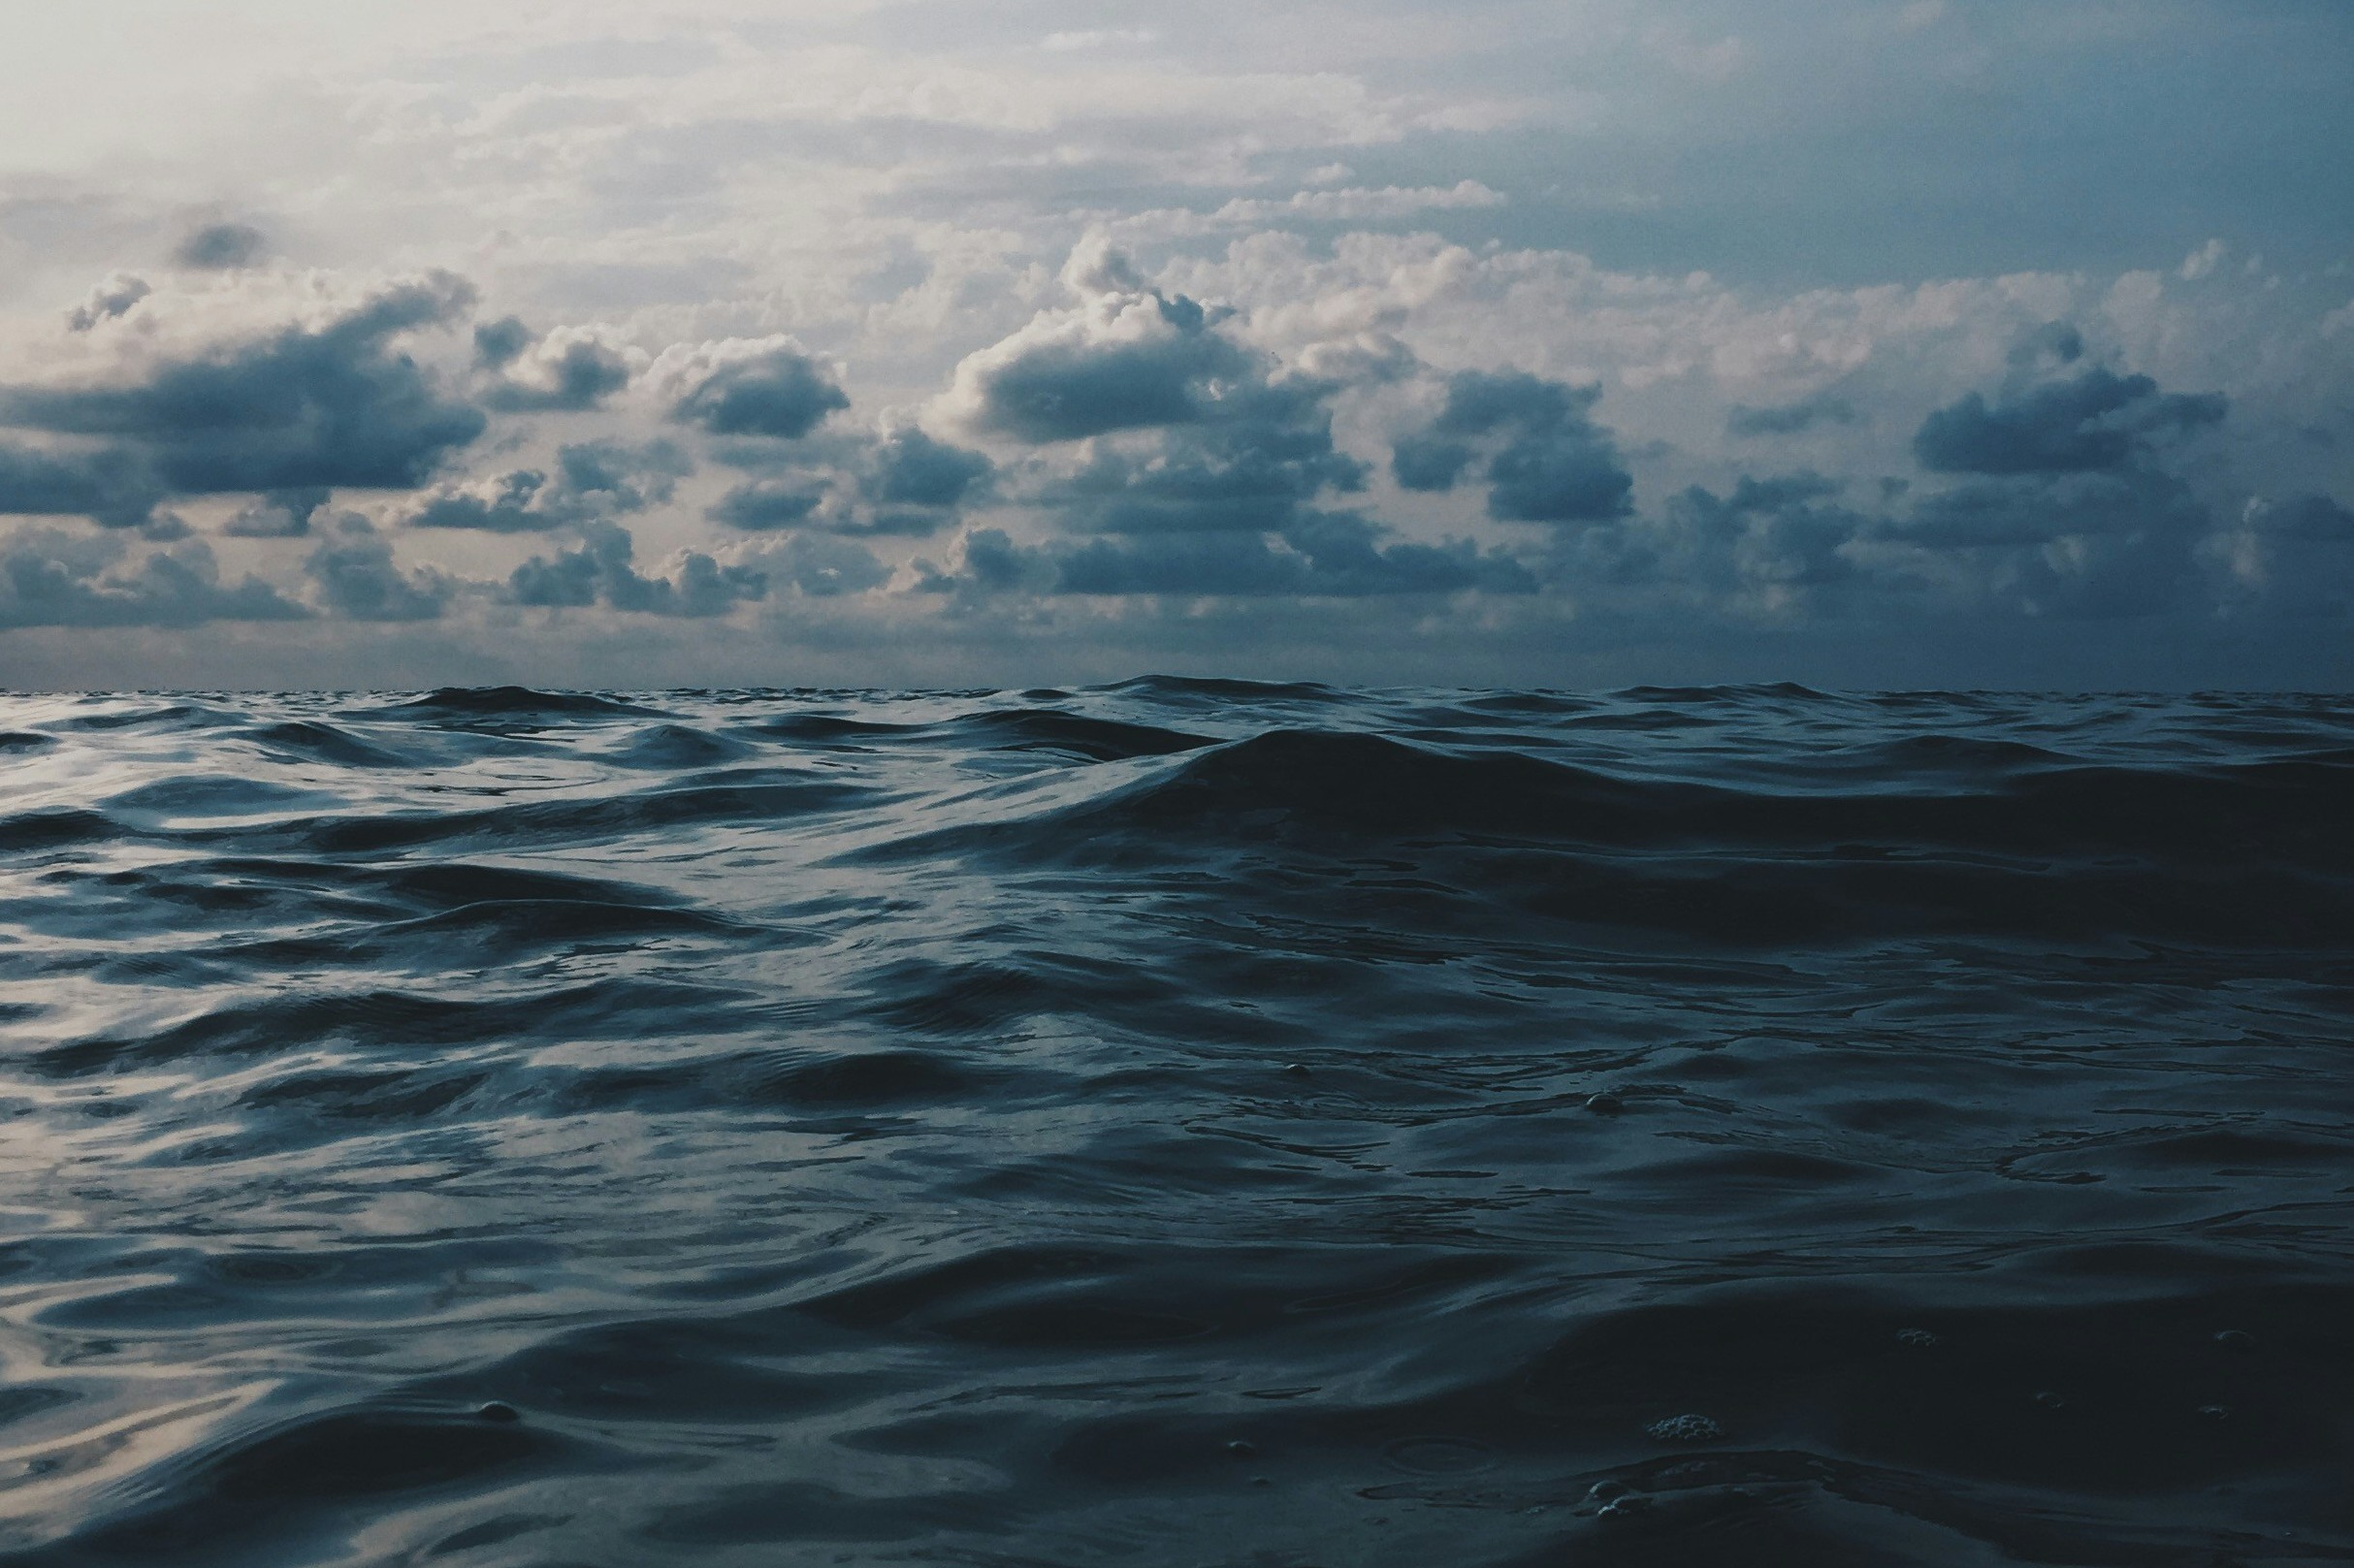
x=2203 y=262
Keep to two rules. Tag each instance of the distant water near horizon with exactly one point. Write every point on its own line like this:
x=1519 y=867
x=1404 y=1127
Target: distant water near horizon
x=1184 y=1122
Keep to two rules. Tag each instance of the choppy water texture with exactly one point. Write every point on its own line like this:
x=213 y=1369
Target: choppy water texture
x=1182 y=1123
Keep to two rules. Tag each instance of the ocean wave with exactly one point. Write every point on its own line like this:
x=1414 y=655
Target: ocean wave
x=1181 y=1121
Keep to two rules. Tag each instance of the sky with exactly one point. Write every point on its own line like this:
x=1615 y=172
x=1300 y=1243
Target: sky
x=1861 y=343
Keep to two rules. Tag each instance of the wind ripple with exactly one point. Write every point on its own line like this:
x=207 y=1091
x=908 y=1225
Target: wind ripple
x=1184 y=1121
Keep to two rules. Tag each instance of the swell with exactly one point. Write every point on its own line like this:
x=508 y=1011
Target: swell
x=670 y=806
x=1732 y=1426
x=382 y=1021
x=516 y=702
x=2022 y=843
x=1179 y=1122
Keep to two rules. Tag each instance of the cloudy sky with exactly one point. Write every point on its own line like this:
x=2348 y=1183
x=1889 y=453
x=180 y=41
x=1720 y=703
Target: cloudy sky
x=1582 y=342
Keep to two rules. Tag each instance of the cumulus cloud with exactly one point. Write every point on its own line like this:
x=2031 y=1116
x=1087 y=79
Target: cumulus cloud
x=592 y=480
x=356 y=577
x=2094 y=421
x=2135 y=542
x=282 y=514
x=1189 y=430
x=570 y=370
x=821 y=567
x=219 y=248
x=1204 y=463
x=762 y=504
x=602 y=571
x=1544 y=458
x=1125 y=357
x=1334 y=554
x=910 y=469
x=1773 y=548
x=755 y=387
x=1268 y=458
x=2203 y=262
x=1141 y=441
x=113 y=488
x=333 y=405
x=902 y=482
x=1317 y=555
x=1769 y=544
x=2053 y=343
x=497 y=343
x=51 y=578
x=115 y=297
x=2083 y=544
x=2289 y=558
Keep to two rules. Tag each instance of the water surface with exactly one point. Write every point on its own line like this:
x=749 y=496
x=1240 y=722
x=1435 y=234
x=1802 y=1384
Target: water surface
x=1177 y=1123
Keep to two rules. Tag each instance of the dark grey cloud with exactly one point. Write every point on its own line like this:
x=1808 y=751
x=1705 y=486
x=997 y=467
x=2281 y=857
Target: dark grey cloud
x=113 y=488
x=770 y=389
x=505 y=504
x=1790 y=418
x=1769 y=536
x=762 y=504
x=357 y=579
x=810 y=499
x=592 y=480
x=993 y=564
x=1545 y=461
x=2137 y=542
x=1773 y=546
x=51 y=578
x=497 y=343
x=911 y=468
x=618 y=476
x=602 y=571
x=903 y=483
x=220 y=248
x=2311 y=519
x=2053 y=343
x=115 y=297
x=2095 y=421
x=1267 y=457
x=1193 y=433
x=1334 y=554
x=1207 y=466
x=824 y=567
x=2088 y=545
x=335 y=405
x=1068 y=387
x=905 y=486
x=1222 y=564
x=2014 y=514
x=567 y=371
x=282 y=514
x=2290 y=559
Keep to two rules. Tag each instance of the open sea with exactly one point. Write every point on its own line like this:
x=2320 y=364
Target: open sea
x=1179 y=1123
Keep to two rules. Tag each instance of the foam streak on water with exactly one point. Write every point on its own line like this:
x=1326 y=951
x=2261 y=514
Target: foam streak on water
x=1177 y=1123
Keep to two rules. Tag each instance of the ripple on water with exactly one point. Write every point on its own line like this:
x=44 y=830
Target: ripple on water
x=1187 y=1121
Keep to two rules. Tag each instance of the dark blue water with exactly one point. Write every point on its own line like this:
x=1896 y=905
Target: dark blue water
x=1182 y=1123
